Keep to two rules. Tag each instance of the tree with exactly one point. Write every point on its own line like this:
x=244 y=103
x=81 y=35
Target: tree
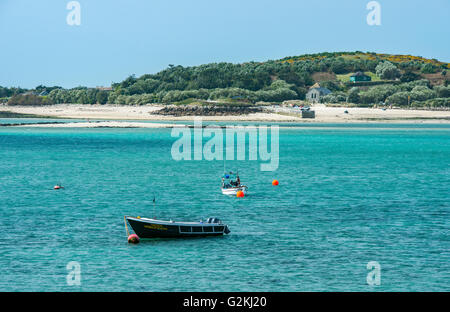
x=333 y=98
x=422 y=93
x=353 y=95
x=331 y=85
x=102 y=97
x=128 y=82
x=399 y=98
x=338 y=66
x=29 y=99
x=387 y=70
x=442 y=91
x=377 y=94
x=428 y=68
x=409 y=76
x=280 y=84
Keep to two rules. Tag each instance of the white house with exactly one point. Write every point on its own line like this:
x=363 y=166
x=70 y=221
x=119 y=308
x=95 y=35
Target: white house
x=316 y=92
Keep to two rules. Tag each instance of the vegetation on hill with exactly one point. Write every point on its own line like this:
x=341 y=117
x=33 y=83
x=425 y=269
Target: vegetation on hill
x=29 y=99
x=394 y=78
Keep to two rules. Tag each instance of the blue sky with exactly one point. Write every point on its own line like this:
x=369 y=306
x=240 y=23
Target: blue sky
x=117 y=38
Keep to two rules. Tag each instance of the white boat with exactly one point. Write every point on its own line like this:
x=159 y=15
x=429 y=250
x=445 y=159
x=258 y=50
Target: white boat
x=234 y=190
x=231 y=184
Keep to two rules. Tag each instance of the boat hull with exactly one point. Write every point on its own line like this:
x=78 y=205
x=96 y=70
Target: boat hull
x=234 y=190
x=150 y=229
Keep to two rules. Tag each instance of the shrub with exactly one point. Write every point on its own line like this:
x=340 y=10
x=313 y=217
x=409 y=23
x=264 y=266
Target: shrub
x=428 y=69
x=387 y=70
x=331 y=85
x=230 y=93
x=409 y=76
x=422 y=93
x=102 y=97
x=280 y=84
x=442 y=91
x=408 y=86
x=377 y=94
x=177 y=95
x=333 y=98
x=353 y=95
x=278 y=95
x=29 y=99
x=399 y=98
x=437 y=102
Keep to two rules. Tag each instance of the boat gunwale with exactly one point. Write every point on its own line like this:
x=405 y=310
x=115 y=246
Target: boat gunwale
x=173 y=223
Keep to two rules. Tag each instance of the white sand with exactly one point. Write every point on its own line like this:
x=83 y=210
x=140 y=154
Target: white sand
x=323 y=115
x=338 y=115
x=119 y=112
x=103 y=124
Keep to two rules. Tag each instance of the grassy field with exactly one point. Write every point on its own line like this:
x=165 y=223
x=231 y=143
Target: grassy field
x=346 y=77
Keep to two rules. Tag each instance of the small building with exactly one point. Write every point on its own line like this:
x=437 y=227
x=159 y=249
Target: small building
x=359 y=77
x=104 y=88
x=308 y=114
x=316 y=92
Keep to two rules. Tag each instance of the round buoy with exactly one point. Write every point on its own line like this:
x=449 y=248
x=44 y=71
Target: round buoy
x=240 y=194
x=133 y=239
x=275 y=182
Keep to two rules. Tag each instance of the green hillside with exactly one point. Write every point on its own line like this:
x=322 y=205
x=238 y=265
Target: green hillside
x=274 y=81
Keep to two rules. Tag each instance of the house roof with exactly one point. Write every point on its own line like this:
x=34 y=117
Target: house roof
x=322 y=90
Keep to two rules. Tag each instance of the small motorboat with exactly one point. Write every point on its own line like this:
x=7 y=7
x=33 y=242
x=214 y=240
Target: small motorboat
x=153 y=228
x=231 y=184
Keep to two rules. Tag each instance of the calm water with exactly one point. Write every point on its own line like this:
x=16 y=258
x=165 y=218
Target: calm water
x=347 y=196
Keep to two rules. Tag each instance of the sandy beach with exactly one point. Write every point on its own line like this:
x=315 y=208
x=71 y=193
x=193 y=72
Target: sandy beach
x=133 y=114
x=102 y=124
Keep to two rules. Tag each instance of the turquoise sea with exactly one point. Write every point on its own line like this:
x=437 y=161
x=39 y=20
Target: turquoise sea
x=348 y=195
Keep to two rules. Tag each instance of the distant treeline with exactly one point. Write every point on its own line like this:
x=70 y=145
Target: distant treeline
x=414 y=93
x=271 y=81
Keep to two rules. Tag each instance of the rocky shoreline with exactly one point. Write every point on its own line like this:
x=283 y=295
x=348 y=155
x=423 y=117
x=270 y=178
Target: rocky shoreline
x=208 y=110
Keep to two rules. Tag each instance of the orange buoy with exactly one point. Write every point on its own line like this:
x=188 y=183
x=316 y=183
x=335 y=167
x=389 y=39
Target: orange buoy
x=133 y=239
x=240 y=194
x=275 y=182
